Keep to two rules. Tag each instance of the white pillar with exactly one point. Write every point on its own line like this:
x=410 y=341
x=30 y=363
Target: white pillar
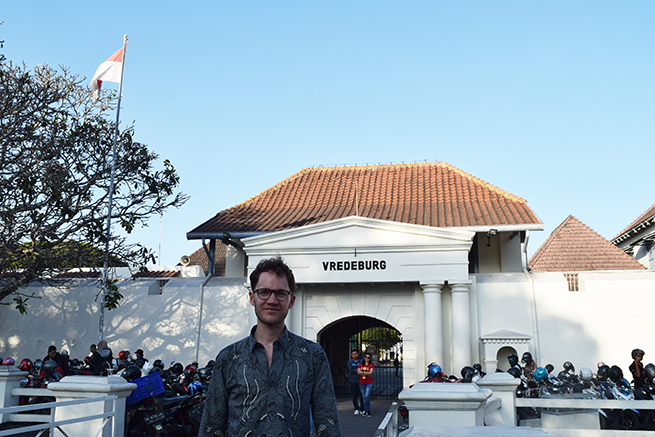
x=433 y=323
x=83 y=387
x=461 y=326
x=10 y=378
x=503 y=385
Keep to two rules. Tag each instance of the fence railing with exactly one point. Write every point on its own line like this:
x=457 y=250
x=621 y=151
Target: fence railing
x=52 y=424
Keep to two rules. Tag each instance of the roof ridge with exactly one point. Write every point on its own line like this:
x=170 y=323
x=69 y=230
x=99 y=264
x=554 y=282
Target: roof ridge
x=646 y=215
x=546 y=244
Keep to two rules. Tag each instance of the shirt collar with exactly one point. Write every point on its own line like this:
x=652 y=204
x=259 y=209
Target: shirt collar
x=284 y=340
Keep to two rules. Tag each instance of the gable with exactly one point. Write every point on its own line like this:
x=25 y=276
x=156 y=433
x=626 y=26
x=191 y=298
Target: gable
x=357 y=249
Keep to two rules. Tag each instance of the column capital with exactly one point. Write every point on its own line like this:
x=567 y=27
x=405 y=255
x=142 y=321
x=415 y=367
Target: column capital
x=432 y=287
x=460 y=287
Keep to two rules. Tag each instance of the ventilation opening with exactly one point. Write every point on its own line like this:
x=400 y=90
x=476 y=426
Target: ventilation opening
x=572 y=280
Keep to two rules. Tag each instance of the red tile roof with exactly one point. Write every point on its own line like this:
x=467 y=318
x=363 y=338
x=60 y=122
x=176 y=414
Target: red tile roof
x=199 y=258
x=574 y=247
x=430 y=194
x=649 y=214
x=158 y=274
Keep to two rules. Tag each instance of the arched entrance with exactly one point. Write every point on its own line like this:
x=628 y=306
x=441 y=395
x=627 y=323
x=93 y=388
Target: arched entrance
x=340 y=337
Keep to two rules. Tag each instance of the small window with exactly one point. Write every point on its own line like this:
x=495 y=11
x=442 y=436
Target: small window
x=572 y=280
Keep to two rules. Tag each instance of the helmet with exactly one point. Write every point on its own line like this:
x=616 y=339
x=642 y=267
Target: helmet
x=434 y=371
x=9 y=361
x=478 y=367
x=636 y=352
x=49 y=367
x=124 y=355
x=586 y=374
x=540 y=374
x=38 y=366
x=568 y=366
x=527 y=357
x=513 y=359
x=649 y=370
x=549 y=368
x=26 y=365
x=159 y=363
x=211 y=363
x=177 y=368
x=616 y=374
x=468 y=372
x=603 y=372
x=191 y=368
x=25 y=383
x=131 y=373
x=516 y=373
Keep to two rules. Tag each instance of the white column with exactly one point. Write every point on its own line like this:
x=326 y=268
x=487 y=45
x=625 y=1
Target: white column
x=461 y=326
x=433 y=323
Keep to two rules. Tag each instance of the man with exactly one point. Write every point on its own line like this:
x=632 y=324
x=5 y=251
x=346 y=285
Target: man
x=637 y=368
x=58 y=358
x=353 y=379
x=270 y=382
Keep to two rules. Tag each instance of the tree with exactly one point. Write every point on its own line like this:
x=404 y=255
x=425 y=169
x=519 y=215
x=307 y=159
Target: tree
x=55 y=165
x=382 y=338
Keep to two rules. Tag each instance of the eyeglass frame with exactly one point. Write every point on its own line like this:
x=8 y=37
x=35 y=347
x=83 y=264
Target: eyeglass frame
x=271 y=292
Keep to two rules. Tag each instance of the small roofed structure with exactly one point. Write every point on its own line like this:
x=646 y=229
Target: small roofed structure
x=638 y=239
x=574 y=247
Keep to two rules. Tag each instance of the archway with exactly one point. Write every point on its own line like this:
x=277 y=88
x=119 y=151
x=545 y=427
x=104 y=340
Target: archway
x=340 y=337
x=501 y=357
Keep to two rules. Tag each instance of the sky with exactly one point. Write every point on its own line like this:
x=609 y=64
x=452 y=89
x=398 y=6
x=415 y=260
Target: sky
x=552 y=101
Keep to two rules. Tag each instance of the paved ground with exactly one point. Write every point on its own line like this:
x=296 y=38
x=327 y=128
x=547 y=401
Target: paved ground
x=357 y=426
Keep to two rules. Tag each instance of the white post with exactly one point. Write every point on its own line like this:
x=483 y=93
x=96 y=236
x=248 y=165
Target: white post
x=10 y=378
x=433 y=323
x=461 y=326
x=503 y=385
x=83 y=387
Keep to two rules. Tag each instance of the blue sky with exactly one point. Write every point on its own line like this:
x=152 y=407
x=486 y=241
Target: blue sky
x=551 y=101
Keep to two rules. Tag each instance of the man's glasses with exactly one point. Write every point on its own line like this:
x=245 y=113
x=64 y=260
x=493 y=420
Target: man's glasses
x=265 y=293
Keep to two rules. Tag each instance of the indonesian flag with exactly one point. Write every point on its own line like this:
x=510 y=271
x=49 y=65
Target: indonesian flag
x=110 y=70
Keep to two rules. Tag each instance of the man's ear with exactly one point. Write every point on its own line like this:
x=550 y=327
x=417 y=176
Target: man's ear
x=251 y=296
x=292 y=300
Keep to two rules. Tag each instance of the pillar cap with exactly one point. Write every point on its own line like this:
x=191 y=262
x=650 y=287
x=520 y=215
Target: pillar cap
x=95 y=384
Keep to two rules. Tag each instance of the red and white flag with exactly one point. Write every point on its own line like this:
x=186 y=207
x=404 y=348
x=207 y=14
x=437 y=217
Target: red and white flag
x=110 y=70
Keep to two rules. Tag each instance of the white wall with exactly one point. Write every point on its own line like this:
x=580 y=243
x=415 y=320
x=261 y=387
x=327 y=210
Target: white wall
x=605 y=321
x=165 y=326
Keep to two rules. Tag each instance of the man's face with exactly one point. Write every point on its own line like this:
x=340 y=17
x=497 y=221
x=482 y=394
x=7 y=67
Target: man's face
x=52 y=354
x=92 y=349
x=639 y=357
x=271 y=311
x=354 y=355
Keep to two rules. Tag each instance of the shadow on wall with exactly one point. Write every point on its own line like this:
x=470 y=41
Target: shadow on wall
x=165 y=326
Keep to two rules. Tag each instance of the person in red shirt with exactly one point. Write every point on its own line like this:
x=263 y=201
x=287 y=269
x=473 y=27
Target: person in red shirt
x=365 y=372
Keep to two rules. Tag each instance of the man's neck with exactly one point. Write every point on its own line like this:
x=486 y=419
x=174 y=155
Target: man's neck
x=266 y=335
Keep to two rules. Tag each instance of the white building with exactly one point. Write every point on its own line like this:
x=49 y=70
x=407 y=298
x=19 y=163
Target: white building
x=426 y=249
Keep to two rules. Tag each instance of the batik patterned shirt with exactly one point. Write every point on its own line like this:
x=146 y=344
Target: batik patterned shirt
x=246 y=399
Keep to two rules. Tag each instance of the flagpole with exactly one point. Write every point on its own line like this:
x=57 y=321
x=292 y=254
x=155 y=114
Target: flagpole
x=105 y=280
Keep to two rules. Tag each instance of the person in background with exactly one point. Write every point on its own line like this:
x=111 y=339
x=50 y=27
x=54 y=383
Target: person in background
x=101 y=359
x=58 y=358
x=365 y=372
x=637 y=368
x=353 y=379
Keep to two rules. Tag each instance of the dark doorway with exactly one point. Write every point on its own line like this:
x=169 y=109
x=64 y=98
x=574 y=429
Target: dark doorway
x=339 y=338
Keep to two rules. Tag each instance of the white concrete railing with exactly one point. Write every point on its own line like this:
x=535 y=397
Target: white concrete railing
x=51 y=423
x=389 y=425
x=108 y=394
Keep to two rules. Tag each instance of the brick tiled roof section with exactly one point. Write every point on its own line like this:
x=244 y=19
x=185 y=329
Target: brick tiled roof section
x=430 y=194
x=574 y=247
x=649 y=214
x=199 y=258
x=157 y=274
